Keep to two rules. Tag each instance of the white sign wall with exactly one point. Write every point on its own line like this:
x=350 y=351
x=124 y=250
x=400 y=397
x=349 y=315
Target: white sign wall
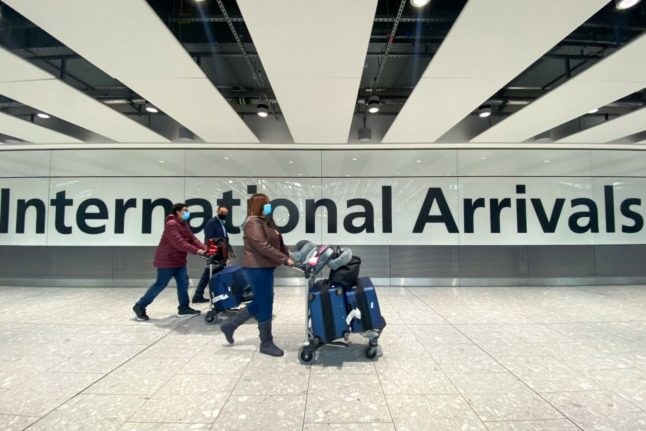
x=109 y=211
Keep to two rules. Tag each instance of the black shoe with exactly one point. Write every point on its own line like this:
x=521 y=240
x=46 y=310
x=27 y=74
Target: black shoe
x=140 y=312
x=186 y=312
x=247 y=295
x=199 y=300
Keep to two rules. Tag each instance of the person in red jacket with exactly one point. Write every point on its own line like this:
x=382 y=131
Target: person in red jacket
x=170 y=260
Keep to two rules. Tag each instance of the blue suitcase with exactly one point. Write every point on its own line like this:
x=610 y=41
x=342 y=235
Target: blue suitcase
x=327 y=312
x=226 y=288
x=363 y=297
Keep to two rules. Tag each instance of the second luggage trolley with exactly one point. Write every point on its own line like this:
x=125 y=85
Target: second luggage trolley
x=311 y=260
x=226 y=283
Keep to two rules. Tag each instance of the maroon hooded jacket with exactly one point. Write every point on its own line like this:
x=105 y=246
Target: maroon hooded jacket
x=176 y=241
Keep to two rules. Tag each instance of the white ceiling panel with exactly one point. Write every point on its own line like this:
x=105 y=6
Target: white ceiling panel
x=14 y=68
x=27 y=84
x=62 y=101
x=420 y=120
x=30 y=132
x=313 y=53
x=620 y=127
x=489 y=44
x=127 y=40
x=177 y=96
x=617 y=76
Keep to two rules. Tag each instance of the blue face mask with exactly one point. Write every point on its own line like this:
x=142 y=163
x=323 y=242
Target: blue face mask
x=186 y=216
x=266 y=209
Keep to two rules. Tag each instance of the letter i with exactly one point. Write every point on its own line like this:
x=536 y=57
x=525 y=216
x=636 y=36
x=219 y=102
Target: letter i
x=521 y=210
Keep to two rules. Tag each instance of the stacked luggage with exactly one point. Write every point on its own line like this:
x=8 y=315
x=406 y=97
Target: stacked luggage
x=227 y=284
x=339 y=305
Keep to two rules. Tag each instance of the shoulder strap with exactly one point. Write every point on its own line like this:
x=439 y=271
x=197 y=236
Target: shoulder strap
x=326 y=308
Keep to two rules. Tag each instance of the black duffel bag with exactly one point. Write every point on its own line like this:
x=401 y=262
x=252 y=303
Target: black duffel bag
x=346 y=275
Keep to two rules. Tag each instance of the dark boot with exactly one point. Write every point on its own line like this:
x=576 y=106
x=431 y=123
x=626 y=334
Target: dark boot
x=247 y=295
x=229 y=327
x=267 y=345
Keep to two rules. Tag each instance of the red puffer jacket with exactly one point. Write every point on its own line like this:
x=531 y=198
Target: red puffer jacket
x=176 y=241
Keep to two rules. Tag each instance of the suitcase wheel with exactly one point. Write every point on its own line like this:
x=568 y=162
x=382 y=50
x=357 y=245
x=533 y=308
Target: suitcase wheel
x=210 y=317
x=371 y=352
x=305 y=355
x=339 y=291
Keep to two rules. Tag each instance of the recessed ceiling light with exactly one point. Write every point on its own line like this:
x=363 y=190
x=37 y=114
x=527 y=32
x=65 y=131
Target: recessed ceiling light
x=42 y=115
x=347 y=175
x=625 y=4
x=149 y=107
x=226 y=158
x=373 y=104
x=418 y=161
x=291 y=162
x=354 y=159
x=300 y=175
x=230 y=181
x=546 y=161
x=484 y=111
x=262 y=110
x=592 y=111
x=483 y=158
x=162 y=161
x=419 y=3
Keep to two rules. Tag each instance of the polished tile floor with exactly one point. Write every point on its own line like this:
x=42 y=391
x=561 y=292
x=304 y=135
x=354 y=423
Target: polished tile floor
x=452 y=359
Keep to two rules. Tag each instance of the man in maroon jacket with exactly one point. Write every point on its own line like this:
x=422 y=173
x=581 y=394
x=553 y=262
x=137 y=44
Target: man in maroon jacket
x=170 y=261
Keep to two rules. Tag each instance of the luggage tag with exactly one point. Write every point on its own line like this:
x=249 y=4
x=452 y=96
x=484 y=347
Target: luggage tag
x=354 y=314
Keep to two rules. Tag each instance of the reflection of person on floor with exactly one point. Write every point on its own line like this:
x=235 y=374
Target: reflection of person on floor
x=214 y=228
x=170 y=260
x=264 y=250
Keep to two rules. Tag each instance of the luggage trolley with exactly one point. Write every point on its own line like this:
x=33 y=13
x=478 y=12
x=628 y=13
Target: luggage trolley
x=311 y=260
x=214 y=265
x=226 y=285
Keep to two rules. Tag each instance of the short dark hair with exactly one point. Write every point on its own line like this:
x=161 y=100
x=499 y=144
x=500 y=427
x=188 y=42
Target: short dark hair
x=222 y=207
x=178 y=207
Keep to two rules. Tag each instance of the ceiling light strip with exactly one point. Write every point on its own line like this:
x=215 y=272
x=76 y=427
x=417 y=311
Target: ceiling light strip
x=31 y=132
x=313 y=54
x=617 y=128
x=135 y=47
x=615 y=77
x=40 y=90
x=487 y=47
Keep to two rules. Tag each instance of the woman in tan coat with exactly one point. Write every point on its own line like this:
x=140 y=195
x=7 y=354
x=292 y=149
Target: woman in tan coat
x=264 y=250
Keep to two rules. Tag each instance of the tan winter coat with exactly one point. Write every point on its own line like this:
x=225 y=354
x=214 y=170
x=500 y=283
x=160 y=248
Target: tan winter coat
x=263 y=244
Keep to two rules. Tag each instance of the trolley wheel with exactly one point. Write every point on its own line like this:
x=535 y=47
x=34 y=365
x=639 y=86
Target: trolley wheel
x=210 y=317
x=346 y=335
x=371 y=352
x=305 y=355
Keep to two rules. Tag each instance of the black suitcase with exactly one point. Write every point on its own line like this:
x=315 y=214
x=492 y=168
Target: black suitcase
x=364 y=298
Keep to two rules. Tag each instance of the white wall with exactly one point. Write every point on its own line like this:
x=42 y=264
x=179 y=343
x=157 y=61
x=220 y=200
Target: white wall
x=338 y=175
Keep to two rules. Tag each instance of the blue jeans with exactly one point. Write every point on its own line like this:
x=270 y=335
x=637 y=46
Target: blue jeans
x=262 y=285
x=163 y=277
